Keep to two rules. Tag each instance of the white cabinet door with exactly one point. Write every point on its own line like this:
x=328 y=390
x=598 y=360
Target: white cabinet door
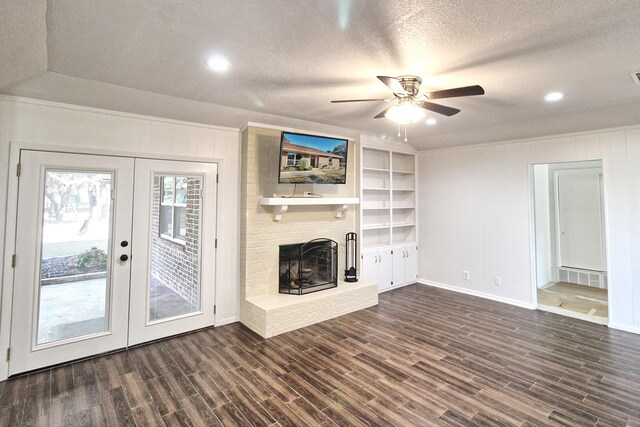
x=377 y=266
x=411 y=264
x=385 y=268
x=399 y=266
x=405 y=265
x=370 y=266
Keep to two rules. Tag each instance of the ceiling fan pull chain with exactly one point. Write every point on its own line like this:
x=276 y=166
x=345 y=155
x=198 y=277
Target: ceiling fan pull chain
x=399 y=135
x=405 y=133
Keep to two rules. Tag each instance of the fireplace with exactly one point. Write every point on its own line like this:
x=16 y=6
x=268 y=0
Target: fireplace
x=308 y=267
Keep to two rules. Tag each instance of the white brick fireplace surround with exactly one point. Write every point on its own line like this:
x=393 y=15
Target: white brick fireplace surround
x=262 y=308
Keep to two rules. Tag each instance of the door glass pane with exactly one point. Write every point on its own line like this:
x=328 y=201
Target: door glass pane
x=166 y=216
x=74 y=255
x=180 y=222
x=181 y=190
x=174 y=285
x=167 y=190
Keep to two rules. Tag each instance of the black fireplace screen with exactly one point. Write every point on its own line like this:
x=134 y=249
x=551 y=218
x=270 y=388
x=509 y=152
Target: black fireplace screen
x=308 y=267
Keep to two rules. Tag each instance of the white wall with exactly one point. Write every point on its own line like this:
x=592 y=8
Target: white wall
x=83 y=129
x=476 y=214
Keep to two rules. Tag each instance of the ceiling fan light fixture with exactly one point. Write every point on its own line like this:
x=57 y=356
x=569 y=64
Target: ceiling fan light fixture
x=405 y=113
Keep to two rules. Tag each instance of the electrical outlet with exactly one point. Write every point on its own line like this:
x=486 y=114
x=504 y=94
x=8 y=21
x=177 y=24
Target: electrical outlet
x=496 y=280
x=465 y=274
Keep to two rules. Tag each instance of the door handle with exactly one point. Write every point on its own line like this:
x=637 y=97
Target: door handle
x=124 y=257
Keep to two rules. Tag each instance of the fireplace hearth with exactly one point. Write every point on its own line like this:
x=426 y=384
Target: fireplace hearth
x=308 y=267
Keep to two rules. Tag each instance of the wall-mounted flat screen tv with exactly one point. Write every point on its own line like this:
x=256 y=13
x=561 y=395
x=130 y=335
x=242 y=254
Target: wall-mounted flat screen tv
x=311 y=159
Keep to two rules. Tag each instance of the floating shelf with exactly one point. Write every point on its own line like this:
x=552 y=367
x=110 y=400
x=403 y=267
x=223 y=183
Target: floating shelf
x=281 y=204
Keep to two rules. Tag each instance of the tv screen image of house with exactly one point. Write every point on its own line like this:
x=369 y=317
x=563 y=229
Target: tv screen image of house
x=311 y=159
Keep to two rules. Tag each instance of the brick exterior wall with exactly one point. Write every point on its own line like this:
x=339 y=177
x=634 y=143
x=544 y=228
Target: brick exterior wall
x=174 y=264
x=260 y=235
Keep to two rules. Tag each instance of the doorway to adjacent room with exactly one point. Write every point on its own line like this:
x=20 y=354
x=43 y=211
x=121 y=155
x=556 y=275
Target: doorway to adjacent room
x=570 y=241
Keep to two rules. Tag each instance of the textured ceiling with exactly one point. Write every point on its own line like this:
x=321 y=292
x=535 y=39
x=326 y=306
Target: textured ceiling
x=290 y=58
x=23 y=40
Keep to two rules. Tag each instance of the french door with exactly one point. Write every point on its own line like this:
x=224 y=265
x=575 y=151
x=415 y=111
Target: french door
x=109 y=253
x=173 y=233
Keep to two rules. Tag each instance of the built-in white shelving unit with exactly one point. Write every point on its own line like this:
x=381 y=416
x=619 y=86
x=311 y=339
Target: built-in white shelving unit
x=388 y=219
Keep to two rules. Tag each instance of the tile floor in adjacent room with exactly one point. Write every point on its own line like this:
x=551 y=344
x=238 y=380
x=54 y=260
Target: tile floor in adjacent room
x=582 y=302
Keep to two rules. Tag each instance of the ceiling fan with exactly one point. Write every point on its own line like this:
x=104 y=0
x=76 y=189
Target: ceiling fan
x=409 y=106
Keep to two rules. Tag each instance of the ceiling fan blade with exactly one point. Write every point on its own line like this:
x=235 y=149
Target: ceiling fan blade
x=381 y=113
x=393 y=84
x=356 y=100
x=441 y=109
x=459 y=91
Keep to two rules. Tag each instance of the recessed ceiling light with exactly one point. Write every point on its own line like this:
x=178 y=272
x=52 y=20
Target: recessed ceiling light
x=219 y=64
x=554 y=96
x=431 y=121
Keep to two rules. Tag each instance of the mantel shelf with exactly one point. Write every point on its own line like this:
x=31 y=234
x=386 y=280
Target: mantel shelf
x=281 y=204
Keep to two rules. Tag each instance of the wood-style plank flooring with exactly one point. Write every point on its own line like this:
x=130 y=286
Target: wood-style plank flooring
x=423 y=356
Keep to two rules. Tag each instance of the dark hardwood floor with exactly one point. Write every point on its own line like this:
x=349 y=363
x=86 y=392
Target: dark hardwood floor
x=423 y=356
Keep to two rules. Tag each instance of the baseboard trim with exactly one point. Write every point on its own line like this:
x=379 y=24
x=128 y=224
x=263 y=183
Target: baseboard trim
x=624 y=328
x=478 y=294
x=568 y=313
x=395 y=287
x=228 y=320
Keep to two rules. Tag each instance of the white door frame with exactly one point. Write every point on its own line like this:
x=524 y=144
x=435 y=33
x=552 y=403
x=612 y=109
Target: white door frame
x=532 y=228
x=11 y=221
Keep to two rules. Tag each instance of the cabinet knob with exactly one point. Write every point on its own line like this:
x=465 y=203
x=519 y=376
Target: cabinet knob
x=124 y=257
